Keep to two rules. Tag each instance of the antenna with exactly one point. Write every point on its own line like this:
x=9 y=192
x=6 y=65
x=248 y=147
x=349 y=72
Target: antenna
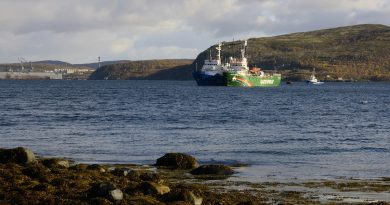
x=98 y=61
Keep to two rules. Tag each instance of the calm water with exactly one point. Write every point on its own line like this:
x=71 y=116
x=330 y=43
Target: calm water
x=333 y=130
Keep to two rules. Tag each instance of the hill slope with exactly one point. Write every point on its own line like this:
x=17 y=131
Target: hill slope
x=359 y=52
x=148 y=69
x=103 y=63
x=40 y=66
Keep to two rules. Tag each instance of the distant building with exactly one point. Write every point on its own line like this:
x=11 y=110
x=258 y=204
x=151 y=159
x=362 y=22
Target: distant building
x=74 y=70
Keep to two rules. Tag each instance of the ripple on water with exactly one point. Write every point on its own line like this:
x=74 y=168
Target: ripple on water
x=294 y=131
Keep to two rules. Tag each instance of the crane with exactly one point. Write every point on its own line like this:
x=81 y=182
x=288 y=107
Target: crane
x=22 y=60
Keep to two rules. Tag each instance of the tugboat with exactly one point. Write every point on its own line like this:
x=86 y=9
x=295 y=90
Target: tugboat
x=212 y=71
x=313 y=80
x=238 y=74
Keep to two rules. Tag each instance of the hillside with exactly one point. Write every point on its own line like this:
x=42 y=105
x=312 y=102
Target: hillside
x=29 y=70
x=40 y=66
x=55 y=64
x=103 y=63
x=359 y=52
x=169 y=69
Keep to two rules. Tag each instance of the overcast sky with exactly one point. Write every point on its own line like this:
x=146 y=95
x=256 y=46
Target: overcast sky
x=78 y=31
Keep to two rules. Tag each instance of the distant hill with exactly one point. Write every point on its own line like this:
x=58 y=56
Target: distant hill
x=40 y=66
x=53 y=62
x=167 y=69
x=82 y=65
x=96 y=65
x=359 y=52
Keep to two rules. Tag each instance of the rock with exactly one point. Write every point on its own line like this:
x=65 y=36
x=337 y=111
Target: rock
x=177 y=161
x=153 y=188
x=184 y=195
x=121 y=172
x=144 y=200
x=36 y=171
x=125 y=172
x=115 y=195
x=42 y=187
x=107 y=190
x=100 y=201
x=56 y=162
x=18 y=155
x=79 y=167
x=130 y=174
x=96 y=167
x=180 y=203
x=214 y=169
x=58 y=182
x=149 y=176
x=246 y=203
x=190 y=196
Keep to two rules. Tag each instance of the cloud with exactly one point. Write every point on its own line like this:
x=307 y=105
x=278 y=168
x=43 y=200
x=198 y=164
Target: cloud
x=78 y=31
x=120 y=46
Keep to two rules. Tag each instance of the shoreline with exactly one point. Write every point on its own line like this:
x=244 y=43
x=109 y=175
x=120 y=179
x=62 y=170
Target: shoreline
x=32 y=180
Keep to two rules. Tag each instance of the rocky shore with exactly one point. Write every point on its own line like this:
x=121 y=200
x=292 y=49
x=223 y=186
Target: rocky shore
x=175 y=178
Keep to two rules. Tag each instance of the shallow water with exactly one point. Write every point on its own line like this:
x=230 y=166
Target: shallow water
x=328 y=131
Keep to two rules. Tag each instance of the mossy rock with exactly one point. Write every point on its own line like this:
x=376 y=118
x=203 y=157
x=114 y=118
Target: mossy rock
x=56 y=163
x=144 y=200
x=213 y=169
x=37 y=171
x=151 y=188
x=177 y=161
x=182 y=196
x=100 y=201
x=18 y=155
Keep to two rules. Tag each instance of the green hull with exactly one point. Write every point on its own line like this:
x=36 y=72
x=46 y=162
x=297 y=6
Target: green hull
x=238 y=80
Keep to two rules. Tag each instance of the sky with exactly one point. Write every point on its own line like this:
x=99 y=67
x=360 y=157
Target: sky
x=78 y=31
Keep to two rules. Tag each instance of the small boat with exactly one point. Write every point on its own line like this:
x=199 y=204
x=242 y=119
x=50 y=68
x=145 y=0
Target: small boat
x=313 y=80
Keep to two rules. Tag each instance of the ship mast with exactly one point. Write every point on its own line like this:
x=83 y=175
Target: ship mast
x=219 y=52
x=244 y=61
x=243 y=51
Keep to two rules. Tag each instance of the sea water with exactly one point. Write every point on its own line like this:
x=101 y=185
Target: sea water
x=292 y=131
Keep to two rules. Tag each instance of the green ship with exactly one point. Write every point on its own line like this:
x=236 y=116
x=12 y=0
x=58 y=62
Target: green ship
x=248 y=80
x=238 y=74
